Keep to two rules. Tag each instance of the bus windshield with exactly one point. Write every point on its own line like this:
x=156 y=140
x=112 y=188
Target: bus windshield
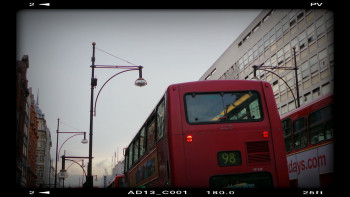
x=218 y=107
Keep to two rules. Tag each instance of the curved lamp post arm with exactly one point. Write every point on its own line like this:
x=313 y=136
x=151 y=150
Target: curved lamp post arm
x=66 y=141
x=295 y=101
x=76 y=163
x=105 y=84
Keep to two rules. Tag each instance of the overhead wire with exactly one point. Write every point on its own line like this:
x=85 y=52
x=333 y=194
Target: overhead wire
x=116 y=56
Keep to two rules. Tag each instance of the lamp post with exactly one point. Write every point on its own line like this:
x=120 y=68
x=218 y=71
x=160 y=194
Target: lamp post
x=84 y=141
x=295 y=68
x=63 y=173
x=139 y=82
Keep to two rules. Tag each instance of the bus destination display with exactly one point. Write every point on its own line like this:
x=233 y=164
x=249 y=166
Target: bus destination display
x=229 y=158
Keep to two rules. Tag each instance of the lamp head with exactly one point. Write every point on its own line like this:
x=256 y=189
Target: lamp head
x=84 y=141
x=140 y=81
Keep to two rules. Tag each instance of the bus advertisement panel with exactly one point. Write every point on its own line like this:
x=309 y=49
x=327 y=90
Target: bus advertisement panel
x=309 y=140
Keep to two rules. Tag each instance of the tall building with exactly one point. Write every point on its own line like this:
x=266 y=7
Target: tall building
x=269 y=40
x=22 y=121
x=43 y=161
x=32 y=142
x=33 y=138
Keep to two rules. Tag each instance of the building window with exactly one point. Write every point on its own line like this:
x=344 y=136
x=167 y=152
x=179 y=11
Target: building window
x=315 y=78
x=279 y=33
x=309 y=16
x=291 y=105
x=280 y=58
x=266 y=41
x=284 y=109
x=300 y=14
x=326 y=88
x=245 y=59
x=267 y=16
x=273 y=60
x=307 y=97
x=277 y=99
x=311 y=34
x=320 y=26
x=256 y=27
x=330 y=20
x=287 y=51
x=285 y=24
x=315 y=93
x=250 y=54
x=275 y=87
x=322 y=54
x=303 y=53
x=302 y=40
x=312 y=47
x=313 y=64
x=272 y=35
x=305 y=69
x=292 y=21
x=306 y=83
x=325 y=73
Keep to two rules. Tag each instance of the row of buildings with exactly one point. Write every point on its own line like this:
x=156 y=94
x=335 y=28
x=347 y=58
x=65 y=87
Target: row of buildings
x=33 y=138
x=269 y=40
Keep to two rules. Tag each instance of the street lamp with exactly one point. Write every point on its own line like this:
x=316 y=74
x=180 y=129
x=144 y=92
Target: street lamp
x=84 y=141
x=295 y=68
x=139 y=82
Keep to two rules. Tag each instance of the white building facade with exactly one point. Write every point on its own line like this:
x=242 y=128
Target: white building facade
x=269 y=40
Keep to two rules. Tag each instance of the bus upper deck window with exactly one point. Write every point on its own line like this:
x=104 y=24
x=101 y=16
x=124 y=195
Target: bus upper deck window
x=220 y=107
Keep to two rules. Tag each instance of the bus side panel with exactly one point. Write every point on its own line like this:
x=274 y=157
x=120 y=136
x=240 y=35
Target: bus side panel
x=175 y=136
x=277 y=137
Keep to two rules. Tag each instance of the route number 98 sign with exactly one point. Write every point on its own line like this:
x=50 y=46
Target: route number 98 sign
x=229 y=158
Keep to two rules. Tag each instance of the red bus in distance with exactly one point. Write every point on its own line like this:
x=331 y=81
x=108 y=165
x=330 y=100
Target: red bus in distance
x=309 y=139
x=117 y=182
x=218 y=133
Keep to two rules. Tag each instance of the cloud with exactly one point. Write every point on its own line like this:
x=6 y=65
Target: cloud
x=102 y=164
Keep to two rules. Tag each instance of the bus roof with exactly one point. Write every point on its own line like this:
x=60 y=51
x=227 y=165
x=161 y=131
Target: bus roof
x=307 y=105
x=213 y=84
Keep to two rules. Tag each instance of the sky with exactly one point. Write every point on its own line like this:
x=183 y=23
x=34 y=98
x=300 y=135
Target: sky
x=173 y=46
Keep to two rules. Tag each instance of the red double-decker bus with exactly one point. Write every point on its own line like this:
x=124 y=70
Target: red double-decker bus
x=117 y=182
x=223 y=134
x=309 y=139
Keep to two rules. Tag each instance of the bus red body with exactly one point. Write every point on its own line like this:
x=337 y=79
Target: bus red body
x=309 y=139
x=117 y=182
x=224 y=133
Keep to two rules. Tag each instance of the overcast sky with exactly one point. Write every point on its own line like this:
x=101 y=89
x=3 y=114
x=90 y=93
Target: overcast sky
x=173 y=46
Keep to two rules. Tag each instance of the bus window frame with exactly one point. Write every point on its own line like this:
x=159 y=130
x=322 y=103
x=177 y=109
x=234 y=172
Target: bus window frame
x=143 y=145
x=289 y=135
x=136 y=153
x=299 y=132
x=261 y=108
x=131 y=156
x=158 y=132
x=153 y=117
x=321 y=123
